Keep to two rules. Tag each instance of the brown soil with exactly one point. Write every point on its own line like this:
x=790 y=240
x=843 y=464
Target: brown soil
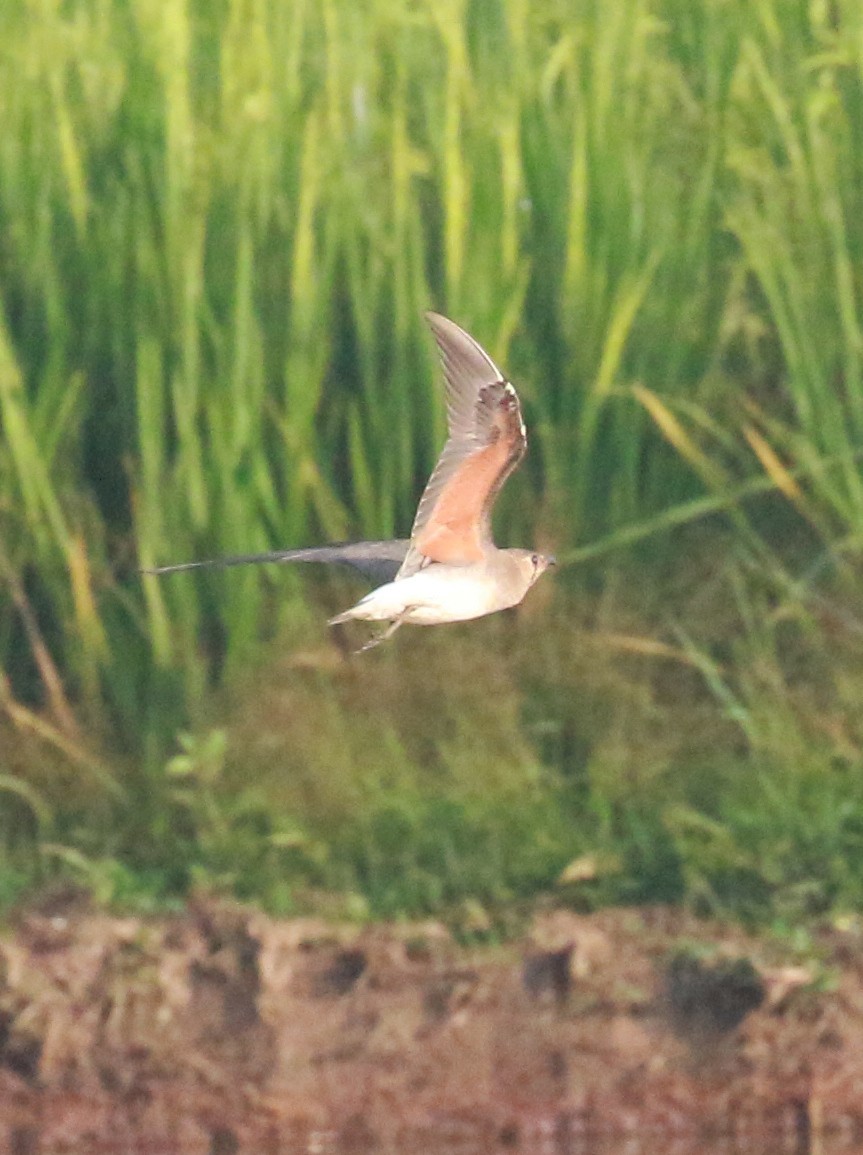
x=223 y=1028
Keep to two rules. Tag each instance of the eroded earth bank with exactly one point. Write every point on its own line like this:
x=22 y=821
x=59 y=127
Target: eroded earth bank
x=221 y=1028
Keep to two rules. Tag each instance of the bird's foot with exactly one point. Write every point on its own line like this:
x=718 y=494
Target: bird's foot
x=388 y=633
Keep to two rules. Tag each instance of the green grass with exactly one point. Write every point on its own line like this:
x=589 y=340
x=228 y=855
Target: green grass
x=220 y=225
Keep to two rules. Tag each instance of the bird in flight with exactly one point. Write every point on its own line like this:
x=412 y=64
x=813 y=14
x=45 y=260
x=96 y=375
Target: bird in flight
x=449 y=570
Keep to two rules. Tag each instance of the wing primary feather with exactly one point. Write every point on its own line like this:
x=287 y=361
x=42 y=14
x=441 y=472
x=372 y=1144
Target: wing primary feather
x=486 y=440
x=378 y=560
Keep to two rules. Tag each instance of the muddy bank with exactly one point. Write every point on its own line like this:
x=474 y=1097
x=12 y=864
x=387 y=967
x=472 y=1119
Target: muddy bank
x=222 y=1026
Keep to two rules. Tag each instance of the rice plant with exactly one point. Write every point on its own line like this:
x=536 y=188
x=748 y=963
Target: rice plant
x=220 y=225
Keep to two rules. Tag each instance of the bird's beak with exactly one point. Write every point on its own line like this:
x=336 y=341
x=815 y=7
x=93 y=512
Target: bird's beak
x=550 y=559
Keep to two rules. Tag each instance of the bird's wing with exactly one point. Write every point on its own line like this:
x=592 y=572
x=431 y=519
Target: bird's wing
x=487 y=440
x=377 y=560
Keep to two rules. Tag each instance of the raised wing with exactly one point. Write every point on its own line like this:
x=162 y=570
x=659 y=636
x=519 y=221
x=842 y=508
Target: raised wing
x=487 y=440
x=377 y=560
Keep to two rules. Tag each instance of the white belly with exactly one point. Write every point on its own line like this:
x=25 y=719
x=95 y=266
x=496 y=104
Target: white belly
x=431 y=597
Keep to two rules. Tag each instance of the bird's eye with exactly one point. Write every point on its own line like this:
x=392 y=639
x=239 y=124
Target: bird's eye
x=535 y=559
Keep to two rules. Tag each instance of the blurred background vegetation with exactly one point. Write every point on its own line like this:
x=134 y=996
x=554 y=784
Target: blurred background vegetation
x=220 y=224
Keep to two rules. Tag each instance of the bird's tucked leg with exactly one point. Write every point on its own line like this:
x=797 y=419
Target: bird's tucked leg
x=388 y=632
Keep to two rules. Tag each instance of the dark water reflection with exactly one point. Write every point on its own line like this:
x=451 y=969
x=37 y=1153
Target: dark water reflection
x=27 y=1141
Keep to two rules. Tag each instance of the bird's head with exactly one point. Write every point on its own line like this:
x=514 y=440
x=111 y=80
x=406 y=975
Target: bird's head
x=530 y=565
